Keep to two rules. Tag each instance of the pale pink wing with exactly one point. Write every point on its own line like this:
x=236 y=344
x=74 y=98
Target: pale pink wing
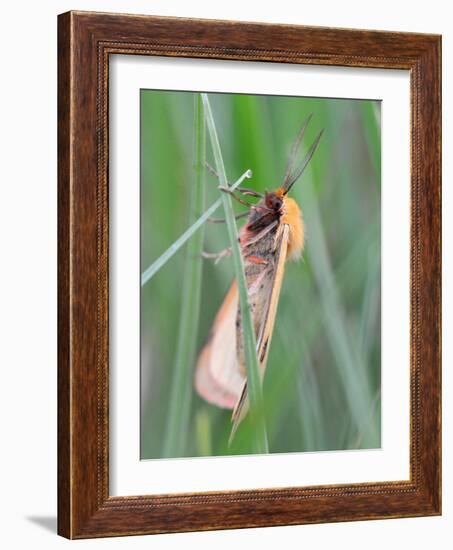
x=217 y=376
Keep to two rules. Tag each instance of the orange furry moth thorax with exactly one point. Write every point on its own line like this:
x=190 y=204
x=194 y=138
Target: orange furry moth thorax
x=289 y=213
x=292 y=215
x=276 y=206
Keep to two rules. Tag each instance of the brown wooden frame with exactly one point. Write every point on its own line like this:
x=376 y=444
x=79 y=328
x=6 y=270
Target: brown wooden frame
x=85 y=42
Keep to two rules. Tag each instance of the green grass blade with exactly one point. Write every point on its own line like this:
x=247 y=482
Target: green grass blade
x=181 y=389
x=354 y=379
x=372 y=128
x=171 y=250
x=203 y=433
x=253 y=375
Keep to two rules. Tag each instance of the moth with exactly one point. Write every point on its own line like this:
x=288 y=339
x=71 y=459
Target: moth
x=273 y=234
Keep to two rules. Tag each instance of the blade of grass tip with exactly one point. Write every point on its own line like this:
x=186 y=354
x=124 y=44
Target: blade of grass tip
x=181 y=388
x=253 y=375
x=150 y=271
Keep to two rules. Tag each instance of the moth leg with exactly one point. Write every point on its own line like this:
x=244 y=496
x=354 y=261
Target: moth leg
x=223 y=220
x=250 y=192
x=212 y=170
x=259 y=207
x=235 y=197
x=243 y=190
x=217 y=256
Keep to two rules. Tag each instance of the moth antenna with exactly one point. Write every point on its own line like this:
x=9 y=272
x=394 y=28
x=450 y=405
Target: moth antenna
x=295 y=176
x=294 y=149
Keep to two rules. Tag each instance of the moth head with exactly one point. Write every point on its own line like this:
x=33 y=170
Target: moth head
x=274 y=200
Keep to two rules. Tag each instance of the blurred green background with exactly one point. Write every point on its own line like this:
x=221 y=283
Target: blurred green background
x=322 y=383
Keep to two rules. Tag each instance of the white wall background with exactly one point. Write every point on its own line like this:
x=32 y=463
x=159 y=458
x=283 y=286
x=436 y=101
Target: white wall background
x=28 y=123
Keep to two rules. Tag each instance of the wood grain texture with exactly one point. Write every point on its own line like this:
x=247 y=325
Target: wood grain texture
x=85 y=41
x=64 y=390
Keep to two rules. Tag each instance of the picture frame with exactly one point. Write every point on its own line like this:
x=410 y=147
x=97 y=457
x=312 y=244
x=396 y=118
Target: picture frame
x=86 y=42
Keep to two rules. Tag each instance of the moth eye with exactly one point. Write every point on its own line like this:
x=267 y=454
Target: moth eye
x=278 y=204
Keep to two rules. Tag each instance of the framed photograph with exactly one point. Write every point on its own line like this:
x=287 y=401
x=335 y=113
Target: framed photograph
x=249 y=275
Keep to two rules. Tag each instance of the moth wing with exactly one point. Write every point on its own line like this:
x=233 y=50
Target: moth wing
x=265 y=335
x=267 y=322
x=217 y=376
